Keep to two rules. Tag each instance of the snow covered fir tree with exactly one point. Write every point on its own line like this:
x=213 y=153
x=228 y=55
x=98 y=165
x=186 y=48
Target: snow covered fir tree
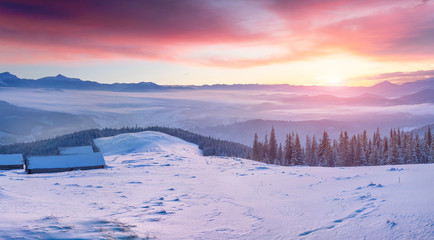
x=357 y=150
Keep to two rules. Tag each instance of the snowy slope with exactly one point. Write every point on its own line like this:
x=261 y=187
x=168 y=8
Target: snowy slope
x=160 y=186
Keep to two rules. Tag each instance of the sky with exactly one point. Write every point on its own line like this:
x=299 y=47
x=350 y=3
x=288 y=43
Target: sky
x=192 y=42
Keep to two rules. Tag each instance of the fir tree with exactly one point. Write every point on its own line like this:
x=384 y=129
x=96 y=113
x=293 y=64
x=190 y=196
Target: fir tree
x=288 y=150
x=324 y=151
x=352 y=152
x=280 y=155
x=314 y=150
x=364 y=149
x=393 y=153
x=308 y=152
x=265 y=150
x=431 y=153
x=297 y=155
x=342 y=155
x=272 y=147
x=256 y=148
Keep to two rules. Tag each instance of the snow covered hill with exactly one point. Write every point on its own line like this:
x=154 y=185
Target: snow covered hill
x=145 y=142
x=158 y=186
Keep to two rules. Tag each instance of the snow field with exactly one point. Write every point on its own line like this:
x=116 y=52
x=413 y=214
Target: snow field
x=158 y=186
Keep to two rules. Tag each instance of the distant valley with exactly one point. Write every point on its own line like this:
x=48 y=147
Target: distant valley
x=49 y=106
x=26 y=124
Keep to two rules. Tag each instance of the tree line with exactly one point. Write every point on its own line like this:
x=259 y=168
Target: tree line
x=210 y=146
x=357 y=150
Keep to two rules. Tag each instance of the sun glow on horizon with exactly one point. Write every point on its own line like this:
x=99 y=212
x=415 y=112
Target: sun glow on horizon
x=330 y=80
x=334 y=81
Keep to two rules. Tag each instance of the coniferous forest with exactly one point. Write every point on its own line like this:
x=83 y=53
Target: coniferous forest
x=398 y=147
x=209 y=146
x=357 y=150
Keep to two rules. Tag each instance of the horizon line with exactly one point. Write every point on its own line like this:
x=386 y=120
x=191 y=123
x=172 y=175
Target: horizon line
x=224 y=84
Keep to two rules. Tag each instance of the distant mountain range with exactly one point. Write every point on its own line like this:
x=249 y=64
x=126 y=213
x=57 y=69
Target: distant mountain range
x=424 y=96
x=61 y=82
x=383 y=89
x=386 y=88
x=367 y=99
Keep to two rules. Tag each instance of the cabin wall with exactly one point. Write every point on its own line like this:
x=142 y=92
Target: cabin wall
x=10 y=167
x=54 y=170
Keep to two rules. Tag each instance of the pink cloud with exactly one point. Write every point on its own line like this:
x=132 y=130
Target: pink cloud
x=400 y=77
x=397 y=33
x=167 y=30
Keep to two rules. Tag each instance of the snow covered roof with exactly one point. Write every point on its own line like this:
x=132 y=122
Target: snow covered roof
x=75 y=150
x=11 y=159
x=65 y=161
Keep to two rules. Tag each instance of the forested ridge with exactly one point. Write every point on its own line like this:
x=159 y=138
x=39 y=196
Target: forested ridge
x=209 y=146
x=398 y=147
x=357 y=150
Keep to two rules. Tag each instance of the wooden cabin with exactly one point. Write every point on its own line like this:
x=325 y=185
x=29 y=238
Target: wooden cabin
x=75 y=150
x=62 y=163
x=11 y=161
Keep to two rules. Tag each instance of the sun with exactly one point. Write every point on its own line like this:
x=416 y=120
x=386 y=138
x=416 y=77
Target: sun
x=330 y=80
x=334 y=81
